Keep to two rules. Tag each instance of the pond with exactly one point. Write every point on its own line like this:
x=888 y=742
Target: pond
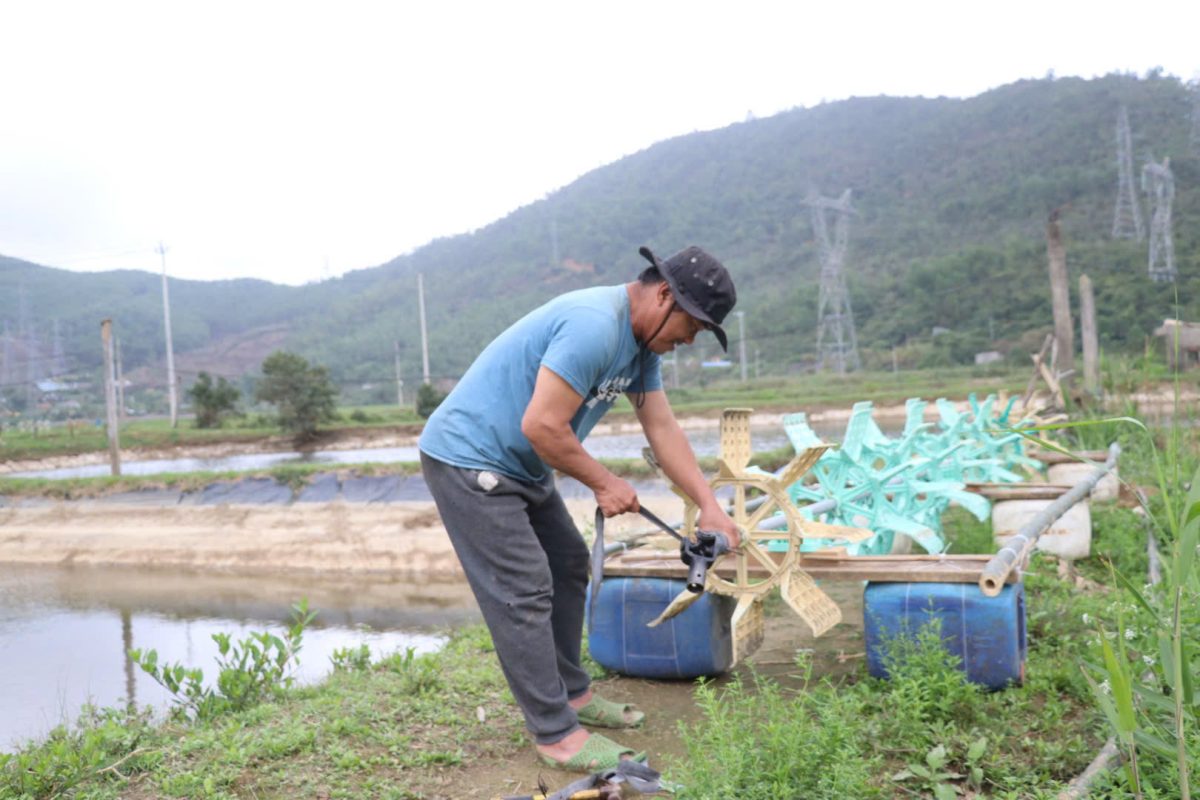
x=65 y=632
x=705 y=441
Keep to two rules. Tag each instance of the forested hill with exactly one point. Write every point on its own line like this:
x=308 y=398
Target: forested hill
x=952 y=199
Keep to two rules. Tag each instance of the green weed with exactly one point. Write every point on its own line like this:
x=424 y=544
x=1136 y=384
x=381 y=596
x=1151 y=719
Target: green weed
x=248 y=671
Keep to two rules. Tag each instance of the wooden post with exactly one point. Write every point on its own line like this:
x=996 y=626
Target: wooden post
x=1037 y=365
x=110 y=398
x=120 y=382
x=1060 y=297
x=1091 y=344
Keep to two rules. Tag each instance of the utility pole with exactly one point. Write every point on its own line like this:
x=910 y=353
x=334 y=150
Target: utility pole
x=162 y=251
x=120 y=382
x=6 y=358
x=424 y=335
x=110 y=398
x=399 y=380
x=1091 y=345
x=741 y=315
x=1064 y=335
x=757 y=363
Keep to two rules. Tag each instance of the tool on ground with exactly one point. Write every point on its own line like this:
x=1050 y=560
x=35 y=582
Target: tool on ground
x=609 y=784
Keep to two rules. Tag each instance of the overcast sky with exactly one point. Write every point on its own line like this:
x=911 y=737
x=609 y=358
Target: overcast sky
x=291 y=141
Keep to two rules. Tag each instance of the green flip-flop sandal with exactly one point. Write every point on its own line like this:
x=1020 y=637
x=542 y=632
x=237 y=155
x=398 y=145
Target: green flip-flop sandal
x=601 y=713
x=597 y=754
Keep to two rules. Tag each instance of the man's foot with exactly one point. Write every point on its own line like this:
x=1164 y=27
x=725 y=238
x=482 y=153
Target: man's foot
x=580 y=751
x=601 y=713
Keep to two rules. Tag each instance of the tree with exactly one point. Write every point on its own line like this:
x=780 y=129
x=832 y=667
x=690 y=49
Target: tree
x=212 y=401
x=301 y=393
x=428 y=398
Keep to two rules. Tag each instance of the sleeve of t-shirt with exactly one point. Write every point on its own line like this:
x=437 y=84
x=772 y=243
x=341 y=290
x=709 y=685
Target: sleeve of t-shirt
x=581 y=348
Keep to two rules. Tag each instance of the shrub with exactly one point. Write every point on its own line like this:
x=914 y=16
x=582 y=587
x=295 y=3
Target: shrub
x=428 y=399
x=302 y=393
x=250 y=670
x=212 y=401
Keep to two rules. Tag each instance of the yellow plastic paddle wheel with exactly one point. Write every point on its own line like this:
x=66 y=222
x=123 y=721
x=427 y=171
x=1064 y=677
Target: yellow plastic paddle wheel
x=768 y=556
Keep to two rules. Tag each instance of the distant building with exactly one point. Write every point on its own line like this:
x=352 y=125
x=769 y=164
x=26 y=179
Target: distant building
x=53 y=386
x=988 y=357
x=1182 y=343
x=716 y=363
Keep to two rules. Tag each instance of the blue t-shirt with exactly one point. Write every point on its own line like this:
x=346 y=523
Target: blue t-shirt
x=584 y=337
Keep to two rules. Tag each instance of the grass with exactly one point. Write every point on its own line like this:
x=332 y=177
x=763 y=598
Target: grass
x=858 y=737
x=384 y=731
x=790 y=394
x=77 y=437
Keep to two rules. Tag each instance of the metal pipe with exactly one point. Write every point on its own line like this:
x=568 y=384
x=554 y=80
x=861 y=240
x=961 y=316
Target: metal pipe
x=996 y=572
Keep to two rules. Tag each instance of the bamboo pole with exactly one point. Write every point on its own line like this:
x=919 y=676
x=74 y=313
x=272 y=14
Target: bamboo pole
x=992 y=579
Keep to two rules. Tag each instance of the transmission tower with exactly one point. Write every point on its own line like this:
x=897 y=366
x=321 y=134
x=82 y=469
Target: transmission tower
x=1159 y=183
x=1127 y=219
x=837 y=344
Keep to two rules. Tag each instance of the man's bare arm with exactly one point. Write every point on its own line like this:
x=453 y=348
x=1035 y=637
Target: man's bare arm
x=678 y=461
x=547 y=426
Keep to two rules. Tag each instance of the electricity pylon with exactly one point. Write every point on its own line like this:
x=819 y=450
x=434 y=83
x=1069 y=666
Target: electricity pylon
x=1127 y=218
x=1159 y=183
x=837 y=343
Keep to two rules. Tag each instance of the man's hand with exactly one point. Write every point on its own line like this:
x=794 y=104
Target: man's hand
x=616 y=496
x=714 y=518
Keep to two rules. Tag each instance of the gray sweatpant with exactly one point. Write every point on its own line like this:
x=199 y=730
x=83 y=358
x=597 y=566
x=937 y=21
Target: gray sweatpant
x=528 y=567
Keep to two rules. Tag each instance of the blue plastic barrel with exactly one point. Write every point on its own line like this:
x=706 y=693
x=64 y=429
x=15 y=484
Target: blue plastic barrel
x=694 y=643
x=986 y=633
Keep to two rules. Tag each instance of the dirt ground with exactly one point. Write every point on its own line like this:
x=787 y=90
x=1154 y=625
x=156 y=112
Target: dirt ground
x=668 y=704
x=401 y=539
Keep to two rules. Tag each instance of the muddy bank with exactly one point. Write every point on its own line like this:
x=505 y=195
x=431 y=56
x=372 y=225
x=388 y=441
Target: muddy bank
x=378 y=539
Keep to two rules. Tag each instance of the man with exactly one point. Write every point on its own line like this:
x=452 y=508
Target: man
x=521 y=411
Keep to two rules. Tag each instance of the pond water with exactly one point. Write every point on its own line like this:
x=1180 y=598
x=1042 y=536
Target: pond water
x=64 y=632
x=705 y=441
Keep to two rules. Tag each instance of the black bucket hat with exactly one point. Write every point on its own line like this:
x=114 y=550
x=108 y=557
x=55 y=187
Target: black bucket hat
x=701 y=286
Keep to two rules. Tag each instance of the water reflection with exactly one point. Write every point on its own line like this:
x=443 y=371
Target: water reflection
x=65 y=632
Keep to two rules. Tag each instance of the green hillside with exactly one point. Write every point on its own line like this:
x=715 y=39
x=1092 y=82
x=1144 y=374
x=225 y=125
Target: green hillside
x=952 y=195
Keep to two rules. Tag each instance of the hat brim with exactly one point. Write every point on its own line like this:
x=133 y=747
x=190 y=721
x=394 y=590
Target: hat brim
x=693 y=310
x=684 y=302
